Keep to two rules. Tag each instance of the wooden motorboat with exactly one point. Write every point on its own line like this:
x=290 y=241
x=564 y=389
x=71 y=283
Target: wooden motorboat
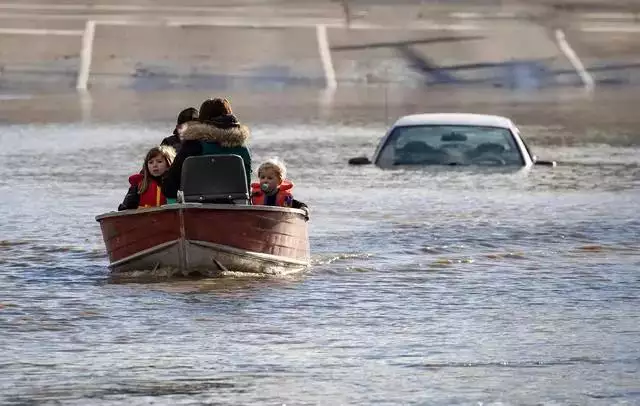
x=208 y=238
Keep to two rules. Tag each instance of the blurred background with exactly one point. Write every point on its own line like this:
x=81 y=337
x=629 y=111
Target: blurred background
x=367 y=54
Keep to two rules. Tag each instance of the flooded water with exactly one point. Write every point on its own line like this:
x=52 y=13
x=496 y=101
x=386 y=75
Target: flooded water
x=435 y=286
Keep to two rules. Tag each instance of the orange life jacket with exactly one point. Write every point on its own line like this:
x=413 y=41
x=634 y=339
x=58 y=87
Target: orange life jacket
x=283 y=196
x=153 y=196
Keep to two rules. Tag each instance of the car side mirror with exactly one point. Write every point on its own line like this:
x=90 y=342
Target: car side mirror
x=538 y=162
x=359 y=160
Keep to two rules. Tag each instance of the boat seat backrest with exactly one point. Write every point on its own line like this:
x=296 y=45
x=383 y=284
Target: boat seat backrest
x=214 y=179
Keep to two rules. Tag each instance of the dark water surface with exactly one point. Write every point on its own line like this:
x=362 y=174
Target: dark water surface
x=440 y=286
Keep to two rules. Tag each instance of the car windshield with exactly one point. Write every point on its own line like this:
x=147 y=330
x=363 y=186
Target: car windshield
x=450 y=145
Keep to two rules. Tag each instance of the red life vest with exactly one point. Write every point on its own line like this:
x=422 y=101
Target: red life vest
x=283 y=196
x=153 y=196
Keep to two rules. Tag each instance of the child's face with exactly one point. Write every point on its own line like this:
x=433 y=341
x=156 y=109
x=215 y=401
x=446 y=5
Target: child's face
x=270 y=178
x=157 y=165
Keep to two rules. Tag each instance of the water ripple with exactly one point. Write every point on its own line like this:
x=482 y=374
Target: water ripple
x=427 y=286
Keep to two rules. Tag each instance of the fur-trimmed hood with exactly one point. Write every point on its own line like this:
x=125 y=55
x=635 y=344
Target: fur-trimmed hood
x=234 y=136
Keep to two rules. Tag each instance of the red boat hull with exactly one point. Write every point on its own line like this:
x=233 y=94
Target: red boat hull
x=207 y=239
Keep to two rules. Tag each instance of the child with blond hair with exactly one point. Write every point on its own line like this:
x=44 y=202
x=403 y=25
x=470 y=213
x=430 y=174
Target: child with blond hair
x=146 y=190
x=274 y=189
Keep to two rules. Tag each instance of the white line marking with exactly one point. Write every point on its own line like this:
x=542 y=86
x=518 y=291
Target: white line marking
x=86 y=104
x=610 y=16
x=325 y=56
x=122 y=7
x=249 y=22
x=612 y=29
x=86 y=54
x=32 y=31
x=465 y=15
x=564 y=46
x=243 y=8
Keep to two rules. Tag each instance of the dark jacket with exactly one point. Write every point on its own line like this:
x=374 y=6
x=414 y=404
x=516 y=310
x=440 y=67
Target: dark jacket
x=172 y=141
x=297 y=204
x=208 y=139
x=131 y=200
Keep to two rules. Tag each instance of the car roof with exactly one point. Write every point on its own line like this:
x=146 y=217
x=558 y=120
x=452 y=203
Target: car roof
x=454 y=119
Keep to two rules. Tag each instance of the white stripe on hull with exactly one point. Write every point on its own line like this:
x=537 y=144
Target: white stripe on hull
x=206 y=258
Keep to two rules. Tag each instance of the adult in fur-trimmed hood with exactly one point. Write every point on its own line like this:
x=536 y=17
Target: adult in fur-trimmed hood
x=217 y=132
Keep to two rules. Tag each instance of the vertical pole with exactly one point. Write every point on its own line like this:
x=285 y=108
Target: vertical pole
x=86 y=54
x=325 y=56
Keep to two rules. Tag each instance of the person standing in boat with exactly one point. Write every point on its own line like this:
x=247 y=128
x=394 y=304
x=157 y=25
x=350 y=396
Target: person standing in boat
x=146 y=190
x=184 y=118
x=217 y=132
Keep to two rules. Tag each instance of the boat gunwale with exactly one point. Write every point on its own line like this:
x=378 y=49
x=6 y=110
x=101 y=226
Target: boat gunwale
x=206 y=206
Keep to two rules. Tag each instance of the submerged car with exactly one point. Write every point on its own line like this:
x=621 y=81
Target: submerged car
x=452 y=139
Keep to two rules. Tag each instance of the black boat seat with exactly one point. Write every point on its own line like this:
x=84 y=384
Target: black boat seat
x=219 y=179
